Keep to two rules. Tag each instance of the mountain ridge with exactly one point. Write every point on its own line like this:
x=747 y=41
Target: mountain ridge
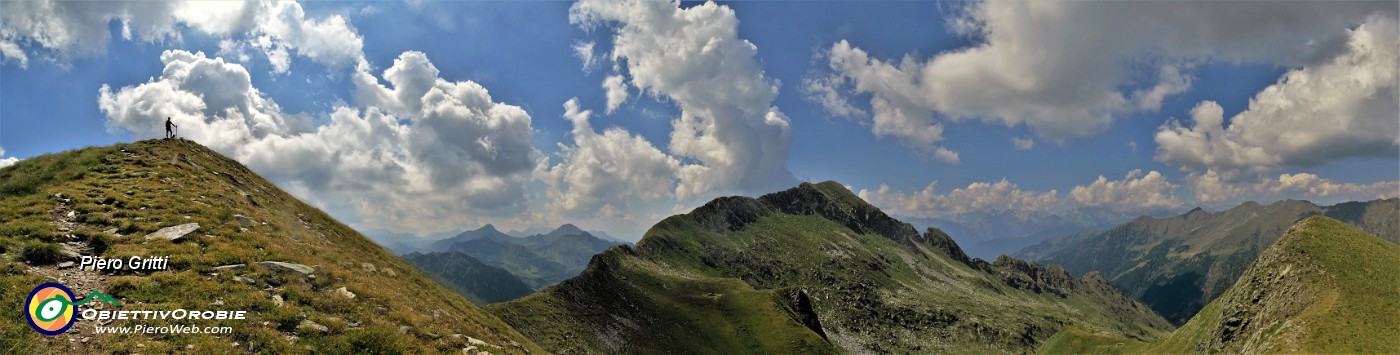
x=873 y=284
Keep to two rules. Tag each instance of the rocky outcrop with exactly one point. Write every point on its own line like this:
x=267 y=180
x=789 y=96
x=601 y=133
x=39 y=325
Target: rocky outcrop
x=938 y=239
x=844 y=208
x=799 y=305
x=1030 y=276
x=727 y=214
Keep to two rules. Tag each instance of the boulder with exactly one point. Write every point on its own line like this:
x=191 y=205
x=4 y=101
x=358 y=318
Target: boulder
x=342 y=292
x=243 y=221
x=174 y=233
x=303 y=270
x=312 y=326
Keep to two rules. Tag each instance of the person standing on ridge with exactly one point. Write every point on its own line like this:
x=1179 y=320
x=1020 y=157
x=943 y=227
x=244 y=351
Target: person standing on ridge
x=168 y=133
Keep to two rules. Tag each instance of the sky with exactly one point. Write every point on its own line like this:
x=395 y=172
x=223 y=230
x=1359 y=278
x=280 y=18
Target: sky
x=420 y=117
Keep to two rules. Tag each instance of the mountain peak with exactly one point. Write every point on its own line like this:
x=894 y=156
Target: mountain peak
x=487 y=228
x=567 y=229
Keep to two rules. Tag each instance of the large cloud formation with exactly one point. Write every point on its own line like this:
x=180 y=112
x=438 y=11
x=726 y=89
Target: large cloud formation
x=1344 y=107
x=427 y=155
x=606 y=173
x=728 y=126
x=1068 y=69
x=61 y=30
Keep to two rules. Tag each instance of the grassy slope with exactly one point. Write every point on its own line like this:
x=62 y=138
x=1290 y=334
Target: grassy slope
x=141 y=187
x=1325 y=287
x=871 y=293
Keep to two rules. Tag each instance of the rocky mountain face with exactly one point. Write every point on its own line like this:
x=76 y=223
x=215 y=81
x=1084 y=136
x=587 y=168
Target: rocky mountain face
x=1178 y=264
x=813 y=269
x=481 y=283
x=1324 y=287
x=234 y=241
x=538 y=260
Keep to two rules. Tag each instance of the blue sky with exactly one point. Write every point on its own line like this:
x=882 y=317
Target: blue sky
x=937 y=94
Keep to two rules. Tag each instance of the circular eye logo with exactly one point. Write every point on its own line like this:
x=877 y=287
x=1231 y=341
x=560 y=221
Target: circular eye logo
x=50 y=309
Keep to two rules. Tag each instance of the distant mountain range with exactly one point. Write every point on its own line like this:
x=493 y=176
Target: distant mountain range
x=988 y=234
x=1323 y=287
x=813 y=270
x=1179 y=264
x=535 y=261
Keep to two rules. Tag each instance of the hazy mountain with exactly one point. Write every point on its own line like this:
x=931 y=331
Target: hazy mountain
x=545 y=230
x=486 y=231
x=308 y=282
x=813 y=269
x=404 y=243
x=1176 y=265
x=538 y=260
x=608 y=237
x=1324 y=287
x=469 y=277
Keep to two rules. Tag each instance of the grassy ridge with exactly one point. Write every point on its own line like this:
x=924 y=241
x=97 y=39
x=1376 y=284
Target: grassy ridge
x=1325 y=287
x=118 y=194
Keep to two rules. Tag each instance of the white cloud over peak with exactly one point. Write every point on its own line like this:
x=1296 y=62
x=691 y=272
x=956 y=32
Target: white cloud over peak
x=606 y=174
x=427 y=155
x=1069 y=69
x=729 y=128
x=1345 y=107
x=1212 y=188
x=1136 y=192
x=978 y=196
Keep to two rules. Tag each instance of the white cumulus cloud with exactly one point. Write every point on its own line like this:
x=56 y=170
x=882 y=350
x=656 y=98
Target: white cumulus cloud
x=1345 y=107
x=1211 y=187
x=427 y=155
x=979 y=196
x=61 y=30
x=1069 y=69
x=1135 y=192
x=608 y=172
x=4 y=162
x=693 y=57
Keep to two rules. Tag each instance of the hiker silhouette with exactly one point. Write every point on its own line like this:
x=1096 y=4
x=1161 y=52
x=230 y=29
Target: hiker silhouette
x=168 y=133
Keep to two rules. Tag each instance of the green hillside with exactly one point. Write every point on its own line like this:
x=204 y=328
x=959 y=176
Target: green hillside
x=812 y=269
x=338 y=292
x=1178 y=264
x=1325 y=287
